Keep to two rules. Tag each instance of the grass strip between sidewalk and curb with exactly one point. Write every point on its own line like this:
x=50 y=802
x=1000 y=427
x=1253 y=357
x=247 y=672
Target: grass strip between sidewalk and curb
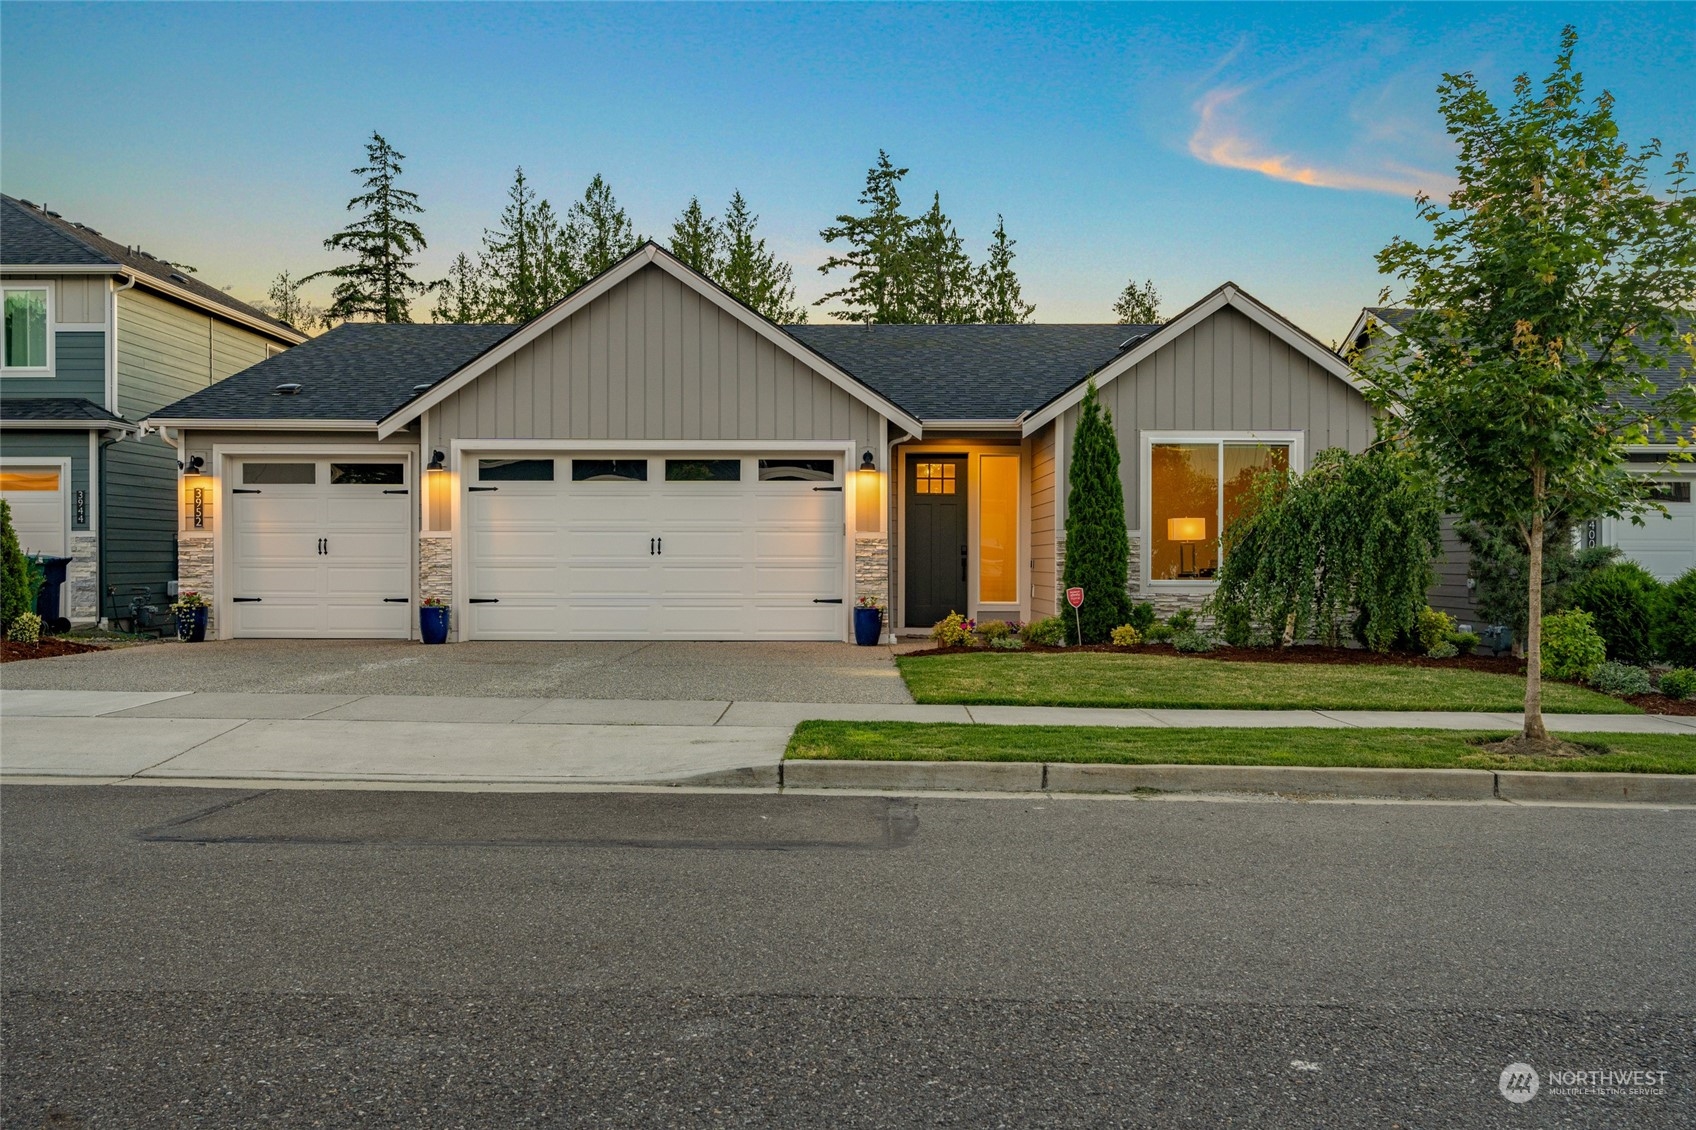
x=1309 y=746
x=1164 y=682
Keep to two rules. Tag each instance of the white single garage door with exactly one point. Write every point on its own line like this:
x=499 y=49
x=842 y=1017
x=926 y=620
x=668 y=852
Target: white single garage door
x=731 y=547
x=37 y=495
x=1665 y=545
x=320 y=548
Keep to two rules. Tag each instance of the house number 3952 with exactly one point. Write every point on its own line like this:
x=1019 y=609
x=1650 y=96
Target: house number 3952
x=199 y=508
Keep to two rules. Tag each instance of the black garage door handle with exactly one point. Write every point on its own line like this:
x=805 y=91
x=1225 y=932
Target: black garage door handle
x=401 y=491
x=396 y=599
x=482 y=488
x=827 y=488
x=827 y=600
x=485 y=600
x=245 y=600
x=241 y=490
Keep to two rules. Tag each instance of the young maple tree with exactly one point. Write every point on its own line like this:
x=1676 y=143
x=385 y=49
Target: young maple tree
x=1553 y=279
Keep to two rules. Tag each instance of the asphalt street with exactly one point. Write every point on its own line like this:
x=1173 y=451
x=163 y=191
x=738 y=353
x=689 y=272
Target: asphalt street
x=185 y=957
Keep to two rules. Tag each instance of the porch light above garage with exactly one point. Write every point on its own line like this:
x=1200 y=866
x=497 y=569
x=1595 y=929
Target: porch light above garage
x=868 y=462
x=437 y=462
x=196 y=465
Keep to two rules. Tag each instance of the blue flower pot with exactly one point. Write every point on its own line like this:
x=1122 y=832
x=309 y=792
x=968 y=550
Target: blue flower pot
x=868 y=626
x=191 y=625
x=433 y=624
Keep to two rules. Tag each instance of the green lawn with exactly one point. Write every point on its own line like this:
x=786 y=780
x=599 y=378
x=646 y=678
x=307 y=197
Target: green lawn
x=1384 y=749
x=1099 y=678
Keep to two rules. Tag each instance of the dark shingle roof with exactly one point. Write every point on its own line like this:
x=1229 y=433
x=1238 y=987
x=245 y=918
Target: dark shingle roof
x=30 y=237
x=358 y=371
x=56 y=410
x=969 y=372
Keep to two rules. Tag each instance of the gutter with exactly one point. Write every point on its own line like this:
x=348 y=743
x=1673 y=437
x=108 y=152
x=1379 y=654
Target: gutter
x=279 y=333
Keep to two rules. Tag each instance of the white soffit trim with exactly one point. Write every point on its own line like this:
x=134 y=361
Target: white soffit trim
x=648 y=254
x=1227 y=295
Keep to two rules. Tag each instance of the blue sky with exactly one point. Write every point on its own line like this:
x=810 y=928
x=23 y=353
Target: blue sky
x=1276 y=145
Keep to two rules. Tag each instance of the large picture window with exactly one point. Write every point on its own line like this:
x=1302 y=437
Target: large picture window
x=1196 y=488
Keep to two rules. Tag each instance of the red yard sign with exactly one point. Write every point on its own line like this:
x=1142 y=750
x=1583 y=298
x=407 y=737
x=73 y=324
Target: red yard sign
x=1075 y=597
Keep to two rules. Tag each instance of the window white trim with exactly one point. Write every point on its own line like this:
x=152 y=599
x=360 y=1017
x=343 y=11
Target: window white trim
x=35 y=372
x=1294 y=440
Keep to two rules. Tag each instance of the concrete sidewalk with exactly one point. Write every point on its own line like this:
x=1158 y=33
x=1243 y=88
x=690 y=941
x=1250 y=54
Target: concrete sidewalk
x=170 y=735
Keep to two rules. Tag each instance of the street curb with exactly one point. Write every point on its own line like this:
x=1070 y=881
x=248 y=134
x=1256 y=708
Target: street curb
x=1629 y=788
x=953 y=776
x=1281 y=780
x=1299 y=780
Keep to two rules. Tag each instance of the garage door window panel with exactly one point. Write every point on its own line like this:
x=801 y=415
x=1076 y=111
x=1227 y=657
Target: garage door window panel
x=515 y=470
x=367 y=474
x=43 y=479
x=703 y=470
x=609 y=470
x=798 y=470
x=279 y=474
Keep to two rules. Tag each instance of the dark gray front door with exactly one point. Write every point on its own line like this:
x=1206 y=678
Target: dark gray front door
x=936 y=538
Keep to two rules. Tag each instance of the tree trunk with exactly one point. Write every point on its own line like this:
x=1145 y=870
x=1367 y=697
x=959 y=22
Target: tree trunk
x=1534 y=728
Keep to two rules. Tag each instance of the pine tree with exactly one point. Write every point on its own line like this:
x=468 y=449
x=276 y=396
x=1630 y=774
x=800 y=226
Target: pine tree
x=1097 y=547
x=879 y=287
x=1137 y=305
x=464 y=295
x=944 y=281
x=753 y=274
x=697 y=240
x=597 y=231
x=1000 y=301
x=284 y=302
x=378 y=283
x=524 y=267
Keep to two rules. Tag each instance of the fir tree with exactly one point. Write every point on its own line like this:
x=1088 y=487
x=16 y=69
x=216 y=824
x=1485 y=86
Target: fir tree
x=1000 y=301
x=597 y=231
x=284 y=302
x=943 y=279
x=1097 y=547
x=464 y=295
x=1137 y=305
x=378 y=283
x=879 y=287
x=523 y=265
x=697 y=239
x=753 y=274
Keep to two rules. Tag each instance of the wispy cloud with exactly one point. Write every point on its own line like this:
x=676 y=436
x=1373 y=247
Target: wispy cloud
x=1220 y=138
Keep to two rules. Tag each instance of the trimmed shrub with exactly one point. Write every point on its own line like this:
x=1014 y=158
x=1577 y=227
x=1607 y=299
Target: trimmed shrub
x=1142 y=616
x=952 y=631
x=1007 y=643
x=1444 y=650
x=1126 y=635
x=1183 y=620
x=15 y=595
x=1158 y=633
x=1620 y=679
x=25 y=629
x=1674 y=635
x=1098 y=549
x=1679 y=683
x=1431 y=628
x=1234 y=625
x=1191 y=641
x=1621 y=597
x=991 y=630
x=1464 y=642
x=1572 y=648
x=1049 y=632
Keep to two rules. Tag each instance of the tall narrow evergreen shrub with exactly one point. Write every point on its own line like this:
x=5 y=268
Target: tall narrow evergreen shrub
x=1097 y=549
x=16 y=597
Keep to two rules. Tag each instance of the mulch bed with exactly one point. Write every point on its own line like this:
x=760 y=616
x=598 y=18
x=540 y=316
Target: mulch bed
x=1348 y=656
x=50 y=646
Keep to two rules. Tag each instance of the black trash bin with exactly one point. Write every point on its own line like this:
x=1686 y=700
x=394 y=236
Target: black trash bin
x=47 y=601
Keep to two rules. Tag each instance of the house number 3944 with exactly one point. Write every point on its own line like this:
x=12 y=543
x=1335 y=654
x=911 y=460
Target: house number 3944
x=199 y=508
x=80 y=506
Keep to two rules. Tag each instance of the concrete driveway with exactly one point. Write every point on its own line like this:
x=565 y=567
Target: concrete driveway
x=765 y=672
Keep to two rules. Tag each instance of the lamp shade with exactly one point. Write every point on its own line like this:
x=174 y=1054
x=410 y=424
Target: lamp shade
x=1186 y=529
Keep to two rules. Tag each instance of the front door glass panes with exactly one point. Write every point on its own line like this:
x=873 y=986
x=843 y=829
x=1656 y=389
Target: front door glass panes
x=515 y=470
x=26 y=329
x=367 y=474
x=935 y=478
x=703 y=470
x=278 y=474
x=998 y=529
x=1195 y=491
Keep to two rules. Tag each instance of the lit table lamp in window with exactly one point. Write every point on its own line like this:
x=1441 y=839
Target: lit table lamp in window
x=1186 y=532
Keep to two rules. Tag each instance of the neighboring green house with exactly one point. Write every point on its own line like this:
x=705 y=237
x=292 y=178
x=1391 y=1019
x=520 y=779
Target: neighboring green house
x=98 y=335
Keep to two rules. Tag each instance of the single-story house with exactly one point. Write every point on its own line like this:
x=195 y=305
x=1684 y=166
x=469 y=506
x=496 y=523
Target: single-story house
x=650 y=459
x=97 y=335
x=1664 y=544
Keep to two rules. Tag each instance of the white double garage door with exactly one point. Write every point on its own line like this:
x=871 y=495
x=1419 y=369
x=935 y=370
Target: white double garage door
x=554 y=546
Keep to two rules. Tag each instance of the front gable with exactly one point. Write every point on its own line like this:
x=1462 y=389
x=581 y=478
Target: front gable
x=650 y=350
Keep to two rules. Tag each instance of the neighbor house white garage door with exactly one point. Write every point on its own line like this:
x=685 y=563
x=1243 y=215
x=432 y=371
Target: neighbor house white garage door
x=654 y=547
x=319 y=548
x=1665 y=545
x=37 y=496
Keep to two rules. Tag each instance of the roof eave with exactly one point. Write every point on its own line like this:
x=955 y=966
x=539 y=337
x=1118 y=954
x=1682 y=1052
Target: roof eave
x=292 y=424
x=61 y=268
x=280 y=333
